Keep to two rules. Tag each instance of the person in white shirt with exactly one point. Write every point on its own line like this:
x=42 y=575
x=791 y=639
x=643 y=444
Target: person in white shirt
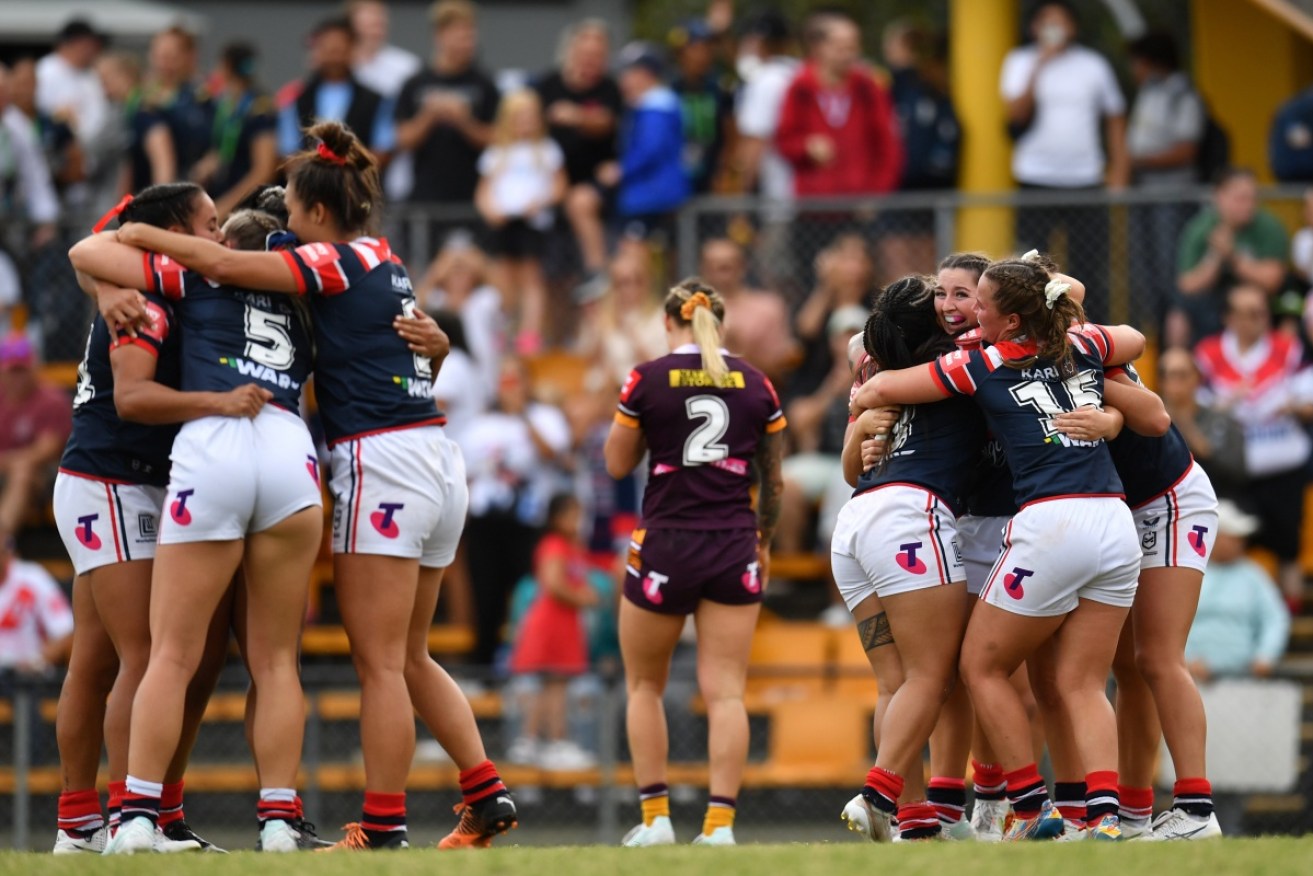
x=23 y=166
x=385 y=68
x=68 y=88
x=1058 y=95
x=36 y=621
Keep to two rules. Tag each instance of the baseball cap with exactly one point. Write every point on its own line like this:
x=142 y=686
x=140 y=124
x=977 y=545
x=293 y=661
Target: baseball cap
x=641 y=54
x=16 y=351
x=1232 y=521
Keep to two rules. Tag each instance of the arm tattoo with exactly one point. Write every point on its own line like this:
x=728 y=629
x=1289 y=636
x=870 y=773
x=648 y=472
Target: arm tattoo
x=770 y=452
x=875 y=632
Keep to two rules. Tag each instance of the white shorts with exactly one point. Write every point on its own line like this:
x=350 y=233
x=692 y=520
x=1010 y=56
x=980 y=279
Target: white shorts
x=894 y=539
x=103 y=523
x=1060 y=551
x=400 y=494
x=982 y=542
x=232 y=476
x=1177 y=528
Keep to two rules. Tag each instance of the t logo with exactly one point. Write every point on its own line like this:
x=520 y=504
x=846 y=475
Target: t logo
x=1196 y=539
x=652 y=587
x=1012 y=581
x=382 y=519
x=178 y=510
x=752 y=578
x=85 y=535
x=908 y=559
x=312 y=466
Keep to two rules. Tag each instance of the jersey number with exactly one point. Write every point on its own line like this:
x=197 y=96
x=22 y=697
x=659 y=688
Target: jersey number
x=86 y=390
x=1038 y=395
x=268 y=340
x=704 y=446
x=423 y=364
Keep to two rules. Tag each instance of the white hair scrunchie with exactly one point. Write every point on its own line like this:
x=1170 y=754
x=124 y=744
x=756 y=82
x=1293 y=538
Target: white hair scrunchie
x=1032 y=256
x=1054 y=290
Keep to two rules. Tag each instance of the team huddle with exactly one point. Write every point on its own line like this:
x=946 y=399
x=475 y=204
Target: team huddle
x=1000 y=447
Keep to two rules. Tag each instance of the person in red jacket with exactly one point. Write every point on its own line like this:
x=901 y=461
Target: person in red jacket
x=837 y=125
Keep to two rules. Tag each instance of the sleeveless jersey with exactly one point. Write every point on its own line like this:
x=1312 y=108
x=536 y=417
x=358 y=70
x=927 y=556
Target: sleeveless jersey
x=232 y=337
x=1019 y=406
x=102 y=445
x=701 y=439
x=929 y=445
x=1148 y=466
x=367 y=379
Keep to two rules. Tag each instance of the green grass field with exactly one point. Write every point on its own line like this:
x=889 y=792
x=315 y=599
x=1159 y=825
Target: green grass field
x=1268 y=857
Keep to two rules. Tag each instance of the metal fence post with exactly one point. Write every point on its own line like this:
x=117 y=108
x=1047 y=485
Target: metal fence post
x=608 y=745
x=686 y=239
x=945 y=229
x=22 y=763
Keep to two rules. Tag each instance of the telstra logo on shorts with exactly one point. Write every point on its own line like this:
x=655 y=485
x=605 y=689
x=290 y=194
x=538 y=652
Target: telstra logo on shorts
x=908 y=559
x=382 y=519
x=1012 y=581
x=85 y=535
x=1196 y=539
x=178 y=510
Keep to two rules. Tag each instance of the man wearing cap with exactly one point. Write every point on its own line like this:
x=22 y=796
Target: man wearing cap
x=705 y=100
x=35 y=420
x=68 y=88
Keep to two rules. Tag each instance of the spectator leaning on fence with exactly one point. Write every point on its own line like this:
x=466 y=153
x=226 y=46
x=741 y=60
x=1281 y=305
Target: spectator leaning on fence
x=1241 y=627
x=1233 y=241
x=35 y=420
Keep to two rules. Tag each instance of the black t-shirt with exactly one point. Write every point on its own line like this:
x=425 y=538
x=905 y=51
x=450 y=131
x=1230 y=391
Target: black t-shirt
x=446 y=164
x=237 y=124
x=583 y=154
x=140 y=121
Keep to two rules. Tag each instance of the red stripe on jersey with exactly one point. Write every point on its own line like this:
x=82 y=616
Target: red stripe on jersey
x=129 y=341
x=148 y=271
x=295 y=267
x=954 y=367
x=170 y=275
x=332 y=278
x=630 y=382
x=113 y=522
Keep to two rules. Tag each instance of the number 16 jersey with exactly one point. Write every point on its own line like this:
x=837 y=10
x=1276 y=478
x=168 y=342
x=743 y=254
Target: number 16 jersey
x=701 y=436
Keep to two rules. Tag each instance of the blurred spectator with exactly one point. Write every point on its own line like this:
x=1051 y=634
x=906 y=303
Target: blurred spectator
x=26 y=192
x=35 y=420
x=458 y=387
x=837 y=125
x=331 y=92
x=844 y=278
x=756 y=321
x=1240 y=627
x=649 y=174
x=813 y=474
x=625 y=325
x=522 y=181
x=1290 y=140
x=147 y=146
x=583 y=104
x=767 y=70
x=68 y=90
x=707 y=104
x=445 y=111
x=517 y=454
x=1233 y=241
x=552 y=643
x=173 y=90
x=1301 y=245
x=36 y=621
x=932 y=140
x=1163 y=137
x=62 y=152
x=1255 y=373
x=456 y=280
x=1059 y=96
x=244 y=143
x=377 y=63
x=1216 y=438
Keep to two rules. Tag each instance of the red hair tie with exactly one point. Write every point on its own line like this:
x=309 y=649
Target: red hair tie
x=113 y=213
x=328 y=154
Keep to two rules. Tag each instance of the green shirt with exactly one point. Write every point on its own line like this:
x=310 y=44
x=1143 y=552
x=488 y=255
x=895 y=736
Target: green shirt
x=1263 y=238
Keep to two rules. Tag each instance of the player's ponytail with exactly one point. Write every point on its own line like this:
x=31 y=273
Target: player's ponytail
x=902 y=329
x=1047 y=312
x=697 y=305
x=340 y=173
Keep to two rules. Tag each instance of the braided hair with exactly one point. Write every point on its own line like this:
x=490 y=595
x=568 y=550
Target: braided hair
x=902 y=329
x=1020 y=289
x=693 y=303
x=164 y=205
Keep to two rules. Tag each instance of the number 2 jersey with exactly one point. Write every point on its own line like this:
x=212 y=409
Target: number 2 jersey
x=366 y=378
x=103 y=446
x=1019 y=406
x=701 y=438
x=232 y=337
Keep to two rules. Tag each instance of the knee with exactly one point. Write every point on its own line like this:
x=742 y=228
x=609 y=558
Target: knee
x=582 y=201
x=648 y=686
x=1156 y=664
x=373 y=666
x=1046 y=688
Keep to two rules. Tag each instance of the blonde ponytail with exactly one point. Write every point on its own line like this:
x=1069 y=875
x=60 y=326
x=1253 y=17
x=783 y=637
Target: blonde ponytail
x=697 y=305
x=706 y=334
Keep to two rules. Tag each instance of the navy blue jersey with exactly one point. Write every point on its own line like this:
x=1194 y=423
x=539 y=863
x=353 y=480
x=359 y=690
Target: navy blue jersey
x=1019 y=406
x=701 y=438
x=232 y=337
x=991 y=492
x=101 y=445
x=367 y=379
x=1149 y=466
x=932 y=446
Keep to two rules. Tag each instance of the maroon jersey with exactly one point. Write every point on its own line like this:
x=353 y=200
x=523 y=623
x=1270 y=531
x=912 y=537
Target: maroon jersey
x=701 y=438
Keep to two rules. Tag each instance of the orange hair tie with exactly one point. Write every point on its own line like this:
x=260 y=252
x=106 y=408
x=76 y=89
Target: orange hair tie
x=696 y=300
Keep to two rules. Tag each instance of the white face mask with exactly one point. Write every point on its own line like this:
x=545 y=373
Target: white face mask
x=1052 y=35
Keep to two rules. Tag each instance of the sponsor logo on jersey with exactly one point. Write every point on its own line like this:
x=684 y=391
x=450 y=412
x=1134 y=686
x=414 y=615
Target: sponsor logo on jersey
x=697 y=378
x=247 y=368
x=1013 y=580
x=178 y=510
x=383 y=521
x=1196 y=539
x=1065 y=441
x=908 y=560
x=86 y=535
x=652 y=587
x=312 y=466
x=752 y=578
x=415 y=388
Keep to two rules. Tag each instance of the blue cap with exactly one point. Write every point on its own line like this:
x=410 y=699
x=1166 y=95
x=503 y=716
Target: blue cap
x=641 y=54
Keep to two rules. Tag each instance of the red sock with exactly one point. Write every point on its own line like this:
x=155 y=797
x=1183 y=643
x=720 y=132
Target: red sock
x=917 y=821
x=115 y=802
x=883 y=788
x=480 y=781
x=1136 y=803
x=949 y=797
x=1194 y=796
x=1026 y=791
x=298 y=807
x=79 y=812
x=987 y=780
x=171 y=803
x=1101 y=795
x=383 y=813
